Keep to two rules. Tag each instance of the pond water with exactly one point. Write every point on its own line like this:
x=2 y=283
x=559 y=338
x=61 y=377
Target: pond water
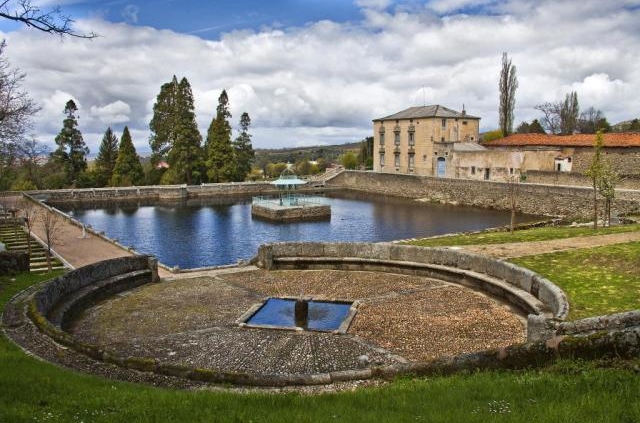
x=280 y=312
x=212 y=232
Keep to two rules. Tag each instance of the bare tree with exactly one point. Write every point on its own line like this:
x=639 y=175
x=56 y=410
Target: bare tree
x=51 y=225
x=52 y=21
x=507 y=85
x=560 y=117
x=594 y=172
x=30 y=213
x=607 y=188
x=514 y=188
x=551 y=116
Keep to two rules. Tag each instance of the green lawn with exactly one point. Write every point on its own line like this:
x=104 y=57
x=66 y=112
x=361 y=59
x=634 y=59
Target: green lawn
x=598 y=281
x=535 y=234
x=33 y=391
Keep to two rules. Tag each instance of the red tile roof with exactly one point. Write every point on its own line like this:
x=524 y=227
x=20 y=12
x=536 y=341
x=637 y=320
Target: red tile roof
x=576 y=140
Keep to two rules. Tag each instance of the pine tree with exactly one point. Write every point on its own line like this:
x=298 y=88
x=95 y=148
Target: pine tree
x=106 y=160
x=243 y=149
x=71 y=152
x=128 y=170
x=185 y=154
x=221 y=160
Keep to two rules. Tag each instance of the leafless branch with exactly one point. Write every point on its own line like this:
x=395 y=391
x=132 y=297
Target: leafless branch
x=52 y=21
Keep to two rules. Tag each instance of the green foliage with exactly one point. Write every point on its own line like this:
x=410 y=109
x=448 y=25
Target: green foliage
x=492 y=135
x=71 y=152
x=365 y=155
x=530 y=128
x=23 y=185
x=221 y=157
x=243 y=149
x=634 y=126
x=508 y=84
x=106 y=160
x=127 y=170
x=275 y=169
x=174 y=132
x=349 y=160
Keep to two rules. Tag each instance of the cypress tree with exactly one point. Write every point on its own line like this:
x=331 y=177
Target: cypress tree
x=243 y=149
x=128 y=169
x=162 y=123
x=106 y=160
x=71 y=152
x=221 y=159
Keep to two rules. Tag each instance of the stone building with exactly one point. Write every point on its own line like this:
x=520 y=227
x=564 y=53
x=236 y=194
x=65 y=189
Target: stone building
x=419 y=140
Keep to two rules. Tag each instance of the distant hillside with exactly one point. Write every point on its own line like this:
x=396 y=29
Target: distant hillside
x=631 y=125
x=329 y=153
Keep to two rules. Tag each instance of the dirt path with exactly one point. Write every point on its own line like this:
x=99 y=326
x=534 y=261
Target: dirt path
x=520 y=249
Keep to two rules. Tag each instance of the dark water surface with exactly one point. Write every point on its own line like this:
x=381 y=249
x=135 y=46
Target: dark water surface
x=211 y=232
x=323 y=315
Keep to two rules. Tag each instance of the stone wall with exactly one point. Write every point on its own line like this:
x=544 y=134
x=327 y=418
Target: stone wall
x=160 y=192
x=521 y=287
x=576 y=179
x=572 y=202
x=13 y=262
x=285 y=214
x=626 y=161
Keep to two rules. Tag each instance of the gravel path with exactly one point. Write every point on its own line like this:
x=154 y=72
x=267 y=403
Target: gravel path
x=520 y=249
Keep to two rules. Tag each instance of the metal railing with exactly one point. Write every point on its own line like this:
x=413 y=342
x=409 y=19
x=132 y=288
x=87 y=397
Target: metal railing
x=288 y=200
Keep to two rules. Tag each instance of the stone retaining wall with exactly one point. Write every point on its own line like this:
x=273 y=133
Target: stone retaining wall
x=286 y=214
x=13 y=262
x=521 y=287
x=631 y=182
x=568 y=201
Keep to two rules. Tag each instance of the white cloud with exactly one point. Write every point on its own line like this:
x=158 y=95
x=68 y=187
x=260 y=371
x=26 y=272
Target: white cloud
x=116 y=112
x=300 y=84
x=130 y=13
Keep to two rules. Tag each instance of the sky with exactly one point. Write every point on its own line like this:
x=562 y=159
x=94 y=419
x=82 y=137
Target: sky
x=317 y=72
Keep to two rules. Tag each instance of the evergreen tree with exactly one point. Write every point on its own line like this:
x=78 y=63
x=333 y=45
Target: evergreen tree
x=243 y=149
x=174 y=134
x=221 y=159
x=127 y=170
x=106 y=160
x=185 y=154
x=162 y=123
x=536 y=127
x=71 y=152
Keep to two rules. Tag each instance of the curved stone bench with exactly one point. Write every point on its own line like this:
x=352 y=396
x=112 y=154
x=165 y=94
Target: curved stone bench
x=531 y=293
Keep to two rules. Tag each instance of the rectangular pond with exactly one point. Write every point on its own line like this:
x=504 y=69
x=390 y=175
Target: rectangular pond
x=212 y=232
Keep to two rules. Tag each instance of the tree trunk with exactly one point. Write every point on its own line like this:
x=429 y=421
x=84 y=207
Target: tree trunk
x=595 y=207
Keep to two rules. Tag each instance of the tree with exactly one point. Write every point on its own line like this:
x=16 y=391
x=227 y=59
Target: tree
x=634 y=126
x=243 y=149
x=72 y=150
x=106 y=160
x=174 y=133
x=523 y=128
x=52 y=21
x=607 y=188
x=51 y=226
x=349 y=160
x=507 y=85
x=221 y=158
x=569 y=114
x=595 y=172
x=185 y=155
x=592 y=121
x=128 y=169
x=536 y=127
x=30 y=214
x=16 y=110
x=561 y=117
x=492 y=135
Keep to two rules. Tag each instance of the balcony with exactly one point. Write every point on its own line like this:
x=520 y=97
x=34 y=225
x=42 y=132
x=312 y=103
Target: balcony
x=411 y=150
x=396 y=149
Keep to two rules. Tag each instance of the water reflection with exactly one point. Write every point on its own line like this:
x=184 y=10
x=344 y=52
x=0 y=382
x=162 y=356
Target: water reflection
x=208 y=232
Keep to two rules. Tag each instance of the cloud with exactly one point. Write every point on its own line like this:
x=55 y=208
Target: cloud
x=130 y=13
x=325 y=81
x=116 y=112
x=373 y=4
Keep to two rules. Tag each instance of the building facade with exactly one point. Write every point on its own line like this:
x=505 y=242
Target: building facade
x=416 y=140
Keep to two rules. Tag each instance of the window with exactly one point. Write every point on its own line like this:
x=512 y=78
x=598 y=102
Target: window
x=473 y=170
x=568 y=159
x=424 y=157
x=381 y=160
x=381 y=138
x=435 y=153
x=411 y=161
x=464 y=122
x=446 y=153
x=411 y=138
x=397 y=161
x=442 y=139
x=510 y=171
x=444 y=123
x=396 y=138
x=487 y=173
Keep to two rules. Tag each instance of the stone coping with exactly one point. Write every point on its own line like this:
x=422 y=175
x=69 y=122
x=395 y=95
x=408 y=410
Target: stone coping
x=523 y=288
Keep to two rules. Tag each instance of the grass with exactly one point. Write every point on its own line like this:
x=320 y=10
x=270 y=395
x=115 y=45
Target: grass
x=571 y=391
x=598 y=280
x=527 y=235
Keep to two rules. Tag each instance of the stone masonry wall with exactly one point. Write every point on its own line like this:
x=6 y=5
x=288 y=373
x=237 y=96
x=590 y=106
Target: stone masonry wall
x=577 y=179
x=626 y=161
x=573 y=202
x=12 y=262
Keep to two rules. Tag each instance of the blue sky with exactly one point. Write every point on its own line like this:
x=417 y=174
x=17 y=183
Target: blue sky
x=317 y=72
